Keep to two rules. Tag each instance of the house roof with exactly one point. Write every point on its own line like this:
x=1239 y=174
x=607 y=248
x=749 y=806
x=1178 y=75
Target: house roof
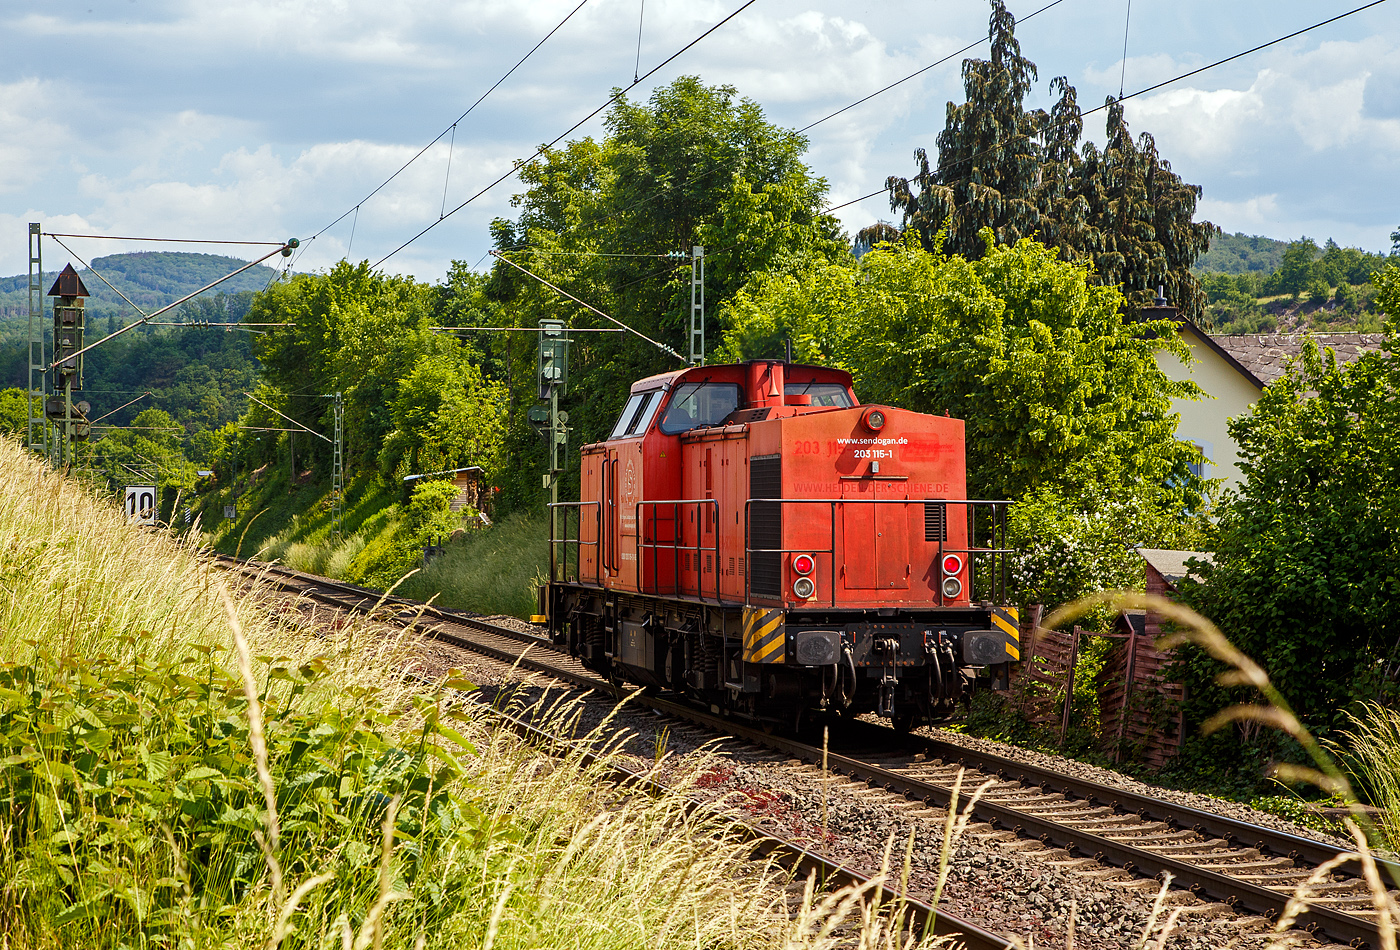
x=1189 y=331
x=450 y=471
x=1265 y=356
x=1172 y=564
x=1212 y=343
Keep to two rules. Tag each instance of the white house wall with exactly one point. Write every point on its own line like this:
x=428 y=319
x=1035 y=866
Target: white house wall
x=1227 y=394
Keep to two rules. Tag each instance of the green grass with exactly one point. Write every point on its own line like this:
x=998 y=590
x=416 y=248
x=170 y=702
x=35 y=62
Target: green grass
x=492 y=571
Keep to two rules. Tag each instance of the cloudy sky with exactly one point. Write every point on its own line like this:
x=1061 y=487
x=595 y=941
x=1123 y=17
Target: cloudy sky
x=259 y=120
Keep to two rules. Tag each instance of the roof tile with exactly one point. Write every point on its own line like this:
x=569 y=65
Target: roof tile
x=1267 y=355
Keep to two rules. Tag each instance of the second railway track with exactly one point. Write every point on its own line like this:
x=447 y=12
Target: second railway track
x=1252 y=868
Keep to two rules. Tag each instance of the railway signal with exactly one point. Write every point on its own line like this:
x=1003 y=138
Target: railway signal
x=554 y=358
x=553 y=422
x=55 y=421
x=68 y=292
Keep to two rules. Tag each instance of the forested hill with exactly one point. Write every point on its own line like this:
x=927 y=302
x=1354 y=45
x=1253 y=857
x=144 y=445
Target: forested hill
x=1241 y=253
x=151 y=279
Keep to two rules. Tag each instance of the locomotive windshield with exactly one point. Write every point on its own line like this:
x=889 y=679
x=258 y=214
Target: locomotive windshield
x=636 y=415
x=823 y=394
x=699 y=404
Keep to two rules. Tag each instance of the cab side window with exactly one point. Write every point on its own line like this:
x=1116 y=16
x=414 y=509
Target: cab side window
x=823 y=394
x=636 y=415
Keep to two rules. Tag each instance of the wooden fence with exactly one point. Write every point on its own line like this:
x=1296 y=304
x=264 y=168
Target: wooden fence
x=1139 y=710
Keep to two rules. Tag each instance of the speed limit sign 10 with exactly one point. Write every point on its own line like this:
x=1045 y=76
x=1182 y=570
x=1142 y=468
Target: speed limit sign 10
x=141 y=504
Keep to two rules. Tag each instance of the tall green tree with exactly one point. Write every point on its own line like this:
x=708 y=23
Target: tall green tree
x=152 y=447
x=354 y=331
x=445 y=417
x=1297 y=269
x=1056 y=390
x=693 y=165
x=988 y=160
x=1303 y=577
x=1022 y=174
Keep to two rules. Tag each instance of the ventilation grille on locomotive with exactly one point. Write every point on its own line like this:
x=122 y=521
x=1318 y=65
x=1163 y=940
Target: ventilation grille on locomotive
x=766 y=525
x=935 y=521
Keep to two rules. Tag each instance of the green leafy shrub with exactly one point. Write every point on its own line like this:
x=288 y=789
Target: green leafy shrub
x=1069 y=547
x=132 y=799
x=427 y=520
x=495 y=571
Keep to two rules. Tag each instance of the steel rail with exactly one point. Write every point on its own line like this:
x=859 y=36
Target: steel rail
x=1242 y=833
x=1241 y=894
x=1246 y=895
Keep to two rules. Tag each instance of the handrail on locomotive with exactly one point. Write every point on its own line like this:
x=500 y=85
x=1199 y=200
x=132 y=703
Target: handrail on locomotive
x=989 y=562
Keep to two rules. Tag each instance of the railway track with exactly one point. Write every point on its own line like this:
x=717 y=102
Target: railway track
x=1252 y=868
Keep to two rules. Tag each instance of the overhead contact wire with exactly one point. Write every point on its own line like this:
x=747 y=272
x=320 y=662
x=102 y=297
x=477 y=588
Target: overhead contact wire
x=920 y=72
x=116 y=237
x=1123 y=76
x=453 y=126
x=861 y=101
x=1133 y=95
x=573 y=128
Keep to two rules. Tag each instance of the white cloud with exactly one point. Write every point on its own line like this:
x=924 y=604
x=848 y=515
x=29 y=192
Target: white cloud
x=30 y=139
x=1252 y=215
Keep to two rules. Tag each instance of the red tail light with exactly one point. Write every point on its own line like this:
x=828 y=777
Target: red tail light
x=803 y=564
x=952 y=564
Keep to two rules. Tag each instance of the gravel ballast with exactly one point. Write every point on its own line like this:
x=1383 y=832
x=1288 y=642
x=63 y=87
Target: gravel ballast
x=1003 y=883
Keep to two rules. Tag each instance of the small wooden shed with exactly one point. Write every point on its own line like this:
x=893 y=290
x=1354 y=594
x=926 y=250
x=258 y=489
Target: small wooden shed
x=471 y=491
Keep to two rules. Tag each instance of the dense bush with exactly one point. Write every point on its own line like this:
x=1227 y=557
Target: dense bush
x=1304 y=576
x=1068 y=547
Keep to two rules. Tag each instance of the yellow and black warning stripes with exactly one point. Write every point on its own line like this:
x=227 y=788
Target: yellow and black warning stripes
x=1008 y=621
x=764 y=635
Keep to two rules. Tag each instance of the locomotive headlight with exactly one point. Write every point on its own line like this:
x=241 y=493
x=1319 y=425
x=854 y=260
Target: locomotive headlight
x=952 y=587
x=803 y=587
x=874 y=419
x=803 y=564
x=952 y=564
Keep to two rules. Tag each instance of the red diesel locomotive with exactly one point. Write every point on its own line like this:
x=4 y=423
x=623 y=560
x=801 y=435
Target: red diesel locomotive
x=752 y=536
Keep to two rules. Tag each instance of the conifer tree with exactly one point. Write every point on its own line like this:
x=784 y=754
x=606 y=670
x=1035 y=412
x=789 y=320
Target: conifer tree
x=1023 y=173
x=988 y=163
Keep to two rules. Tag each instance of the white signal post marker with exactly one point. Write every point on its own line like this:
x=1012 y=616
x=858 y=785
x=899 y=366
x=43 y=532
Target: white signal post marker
x=141 y=504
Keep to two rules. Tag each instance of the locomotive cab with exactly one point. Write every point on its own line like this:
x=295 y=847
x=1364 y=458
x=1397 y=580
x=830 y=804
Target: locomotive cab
x=752 y=535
